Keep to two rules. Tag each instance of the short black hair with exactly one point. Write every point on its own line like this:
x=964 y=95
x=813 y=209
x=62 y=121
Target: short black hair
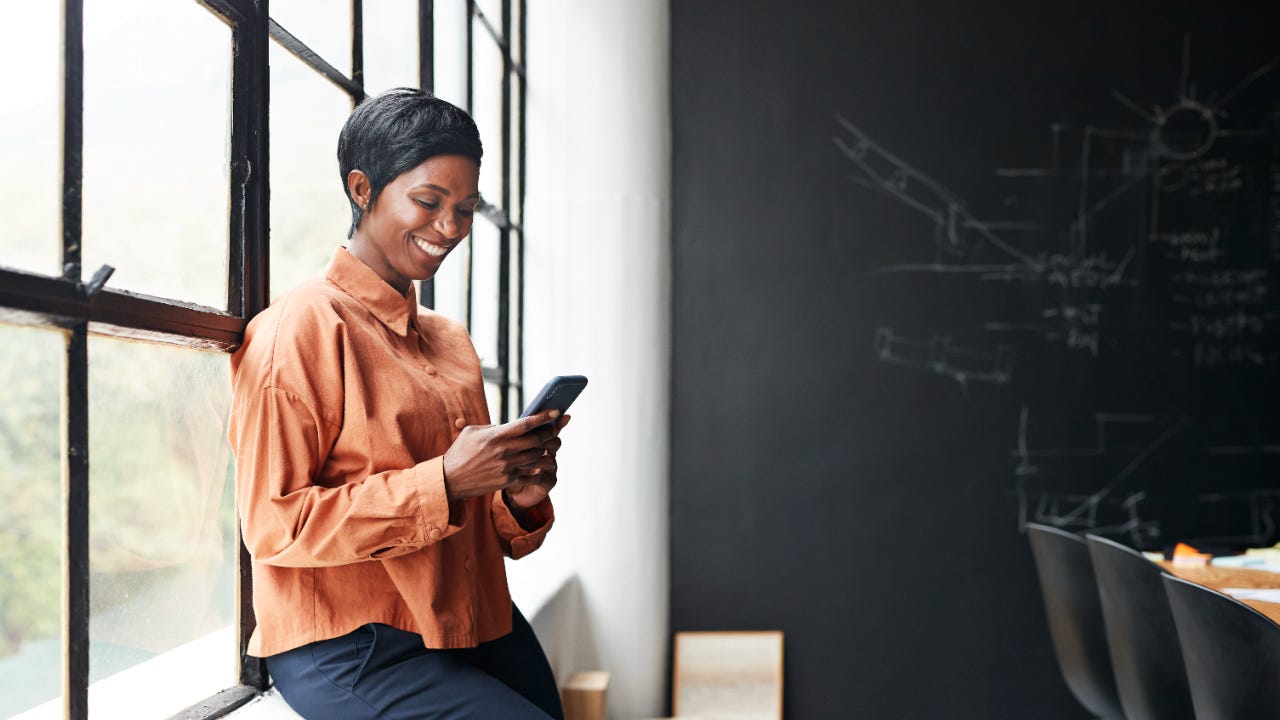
x=397 y=131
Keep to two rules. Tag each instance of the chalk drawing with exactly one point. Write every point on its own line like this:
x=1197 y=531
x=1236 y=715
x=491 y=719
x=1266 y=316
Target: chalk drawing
x=1080 y=511
x=939 y=356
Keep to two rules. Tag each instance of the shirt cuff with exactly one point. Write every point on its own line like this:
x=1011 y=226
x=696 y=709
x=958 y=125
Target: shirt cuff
x=436 y=518
x=517 y=541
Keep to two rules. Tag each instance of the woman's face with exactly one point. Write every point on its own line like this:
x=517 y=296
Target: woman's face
x=418 y=218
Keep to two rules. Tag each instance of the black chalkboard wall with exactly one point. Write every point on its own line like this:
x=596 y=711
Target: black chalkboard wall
x=943 y=268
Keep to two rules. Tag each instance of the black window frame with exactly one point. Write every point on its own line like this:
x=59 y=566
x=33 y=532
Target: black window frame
x=81 y=306
x=508 y=371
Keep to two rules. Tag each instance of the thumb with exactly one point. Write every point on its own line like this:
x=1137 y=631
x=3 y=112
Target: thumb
x=524 y=425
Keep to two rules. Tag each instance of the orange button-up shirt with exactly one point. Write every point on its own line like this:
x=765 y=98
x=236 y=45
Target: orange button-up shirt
x=346 y=396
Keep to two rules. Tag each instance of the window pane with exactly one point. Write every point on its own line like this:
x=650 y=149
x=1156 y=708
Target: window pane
x=31 y=371
x=162 y=527
x=449 y=50
x=157 y=96
x=451 y=282
x=31 y=138
x=492 y=10
x=513 y=342
x=487 y=110
x=390 y=44
x=516 y=211
x=493 y=394
x=309 y=210
x=516 y=158
x=484 y=291
x=322 y=25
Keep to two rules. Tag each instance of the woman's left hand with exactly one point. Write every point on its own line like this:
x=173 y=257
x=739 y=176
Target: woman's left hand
x=534 y=481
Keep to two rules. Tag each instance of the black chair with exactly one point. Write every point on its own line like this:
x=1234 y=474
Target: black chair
x=1232 y=653
x=1075 y=618
x=1145 y=653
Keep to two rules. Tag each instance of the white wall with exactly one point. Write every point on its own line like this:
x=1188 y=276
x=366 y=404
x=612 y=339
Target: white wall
x=598 y=303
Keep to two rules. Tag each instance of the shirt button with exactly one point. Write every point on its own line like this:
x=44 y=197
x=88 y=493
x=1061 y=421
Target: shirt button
x=468 y=564
x=460 y=423
x=430 y=370
x=434 y=534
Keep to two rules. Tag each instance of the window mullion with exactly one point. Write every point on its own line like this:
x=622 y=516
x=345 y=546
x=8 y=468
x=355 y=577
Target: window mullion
x=75 y=398
x=357 y=45
x=426 y=81
x=75 y=619
x=250 y=94
x=519 y=204
x=504 y=234
x=426 y=46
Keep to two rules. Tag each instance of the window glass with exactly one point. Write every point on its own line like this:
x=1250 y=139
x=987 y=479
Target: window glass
x=309 y=210
x=322 y=25
x=493 y=394
x=161 y=523
x=156 y=116
x=449 y=50
x=31 y=138
x=31 y=372
x=451 y=281
x=390 y=44
x=492 y=10
x=516 y=211
x=486 y=97
x=516 y=371
x=484 y=290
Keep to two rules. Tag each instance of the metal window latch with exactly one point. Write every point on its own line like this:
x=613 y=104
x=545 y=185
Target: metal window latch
x=90 y=289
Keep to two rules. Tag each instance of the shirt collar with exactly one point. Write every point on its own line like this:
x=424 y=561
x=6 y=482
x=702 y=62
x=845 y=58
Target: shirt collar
x=358 y=280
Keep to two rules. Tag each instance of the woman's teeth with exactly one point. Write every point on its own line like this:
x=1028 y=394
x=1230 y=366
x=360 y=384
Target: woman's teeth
x=428 y=248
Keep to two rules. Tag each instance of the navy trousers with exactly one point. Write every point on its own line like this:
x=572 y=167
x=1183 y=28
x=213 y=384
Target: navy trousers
x=381 y=673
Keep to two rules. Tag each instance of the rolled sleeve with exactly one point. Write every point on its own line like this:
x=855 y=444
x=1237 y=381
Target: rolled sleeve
x=515 y=537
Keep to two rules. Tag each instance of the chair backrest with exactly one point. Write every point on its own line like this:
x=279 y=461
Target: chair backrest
x=1232 y=653
x=1075 y=617
x=1145 y=653
x=728 y=675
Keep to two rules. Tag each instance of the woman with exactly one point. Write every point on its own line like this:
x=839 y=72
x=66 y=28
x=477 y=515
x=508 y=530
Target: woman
x=376 y=499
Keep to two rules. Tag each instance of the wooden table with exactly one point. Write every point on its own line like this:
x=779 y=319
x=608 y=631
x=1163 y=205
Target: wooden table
x=1223 y=577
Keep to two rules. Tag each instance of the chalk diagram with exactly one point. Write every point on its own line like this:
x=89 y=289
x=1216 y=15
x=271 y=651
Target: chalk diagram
x=1157 y=196
x=1091 y=256
x=1255 y=509
x=1122 y=443
x=940 y=356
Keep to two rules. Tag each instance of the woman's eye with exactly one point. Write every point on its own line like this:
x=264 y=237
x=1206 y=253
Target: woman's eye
x=466 y=212
x=427 y=205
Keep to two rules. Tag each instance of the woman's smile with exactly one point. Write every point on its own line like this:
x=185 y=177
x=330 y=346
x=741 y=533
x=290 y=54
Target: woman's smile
x=432 y=249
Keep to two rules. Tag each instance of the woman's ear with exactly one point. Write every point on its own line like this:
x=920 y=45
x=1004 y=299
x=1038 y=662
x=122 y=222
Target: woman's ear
x=359 y=187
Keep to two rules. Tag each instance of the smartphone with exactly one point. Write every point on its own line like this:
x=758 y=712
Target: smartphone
x=558 y=394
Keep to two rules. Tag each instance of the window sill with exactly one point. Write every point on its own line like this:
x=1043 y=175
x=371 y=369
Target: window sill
x=267 y=706
x=160 y=686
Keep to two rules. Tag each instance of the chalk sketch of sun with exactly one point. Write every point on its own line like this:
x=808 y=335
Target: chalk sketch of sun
x=1187 y=129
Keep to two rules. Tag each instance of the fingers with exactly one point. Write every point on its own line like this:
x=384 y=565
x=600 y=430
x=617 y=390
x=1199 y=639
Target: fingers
x=525 y=457
x=542 y=465
x=545 y=479
x=524 y=425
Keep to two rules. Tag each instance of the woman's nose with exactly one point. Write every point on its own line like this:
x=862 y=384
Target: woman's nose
x=446 y=225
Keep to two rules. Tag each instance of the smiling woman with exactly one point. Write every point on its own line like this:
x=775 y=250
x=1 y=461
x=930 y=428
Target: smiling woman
x=376 y=499
x=417 y=219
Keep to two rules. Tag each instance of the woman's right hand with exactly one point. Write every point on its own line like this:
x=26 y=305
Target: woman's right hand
x=486 y=458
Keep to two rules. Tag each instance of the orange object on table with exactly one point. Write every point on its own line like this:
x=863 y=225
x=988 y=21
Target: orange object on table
x=1186 y=556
